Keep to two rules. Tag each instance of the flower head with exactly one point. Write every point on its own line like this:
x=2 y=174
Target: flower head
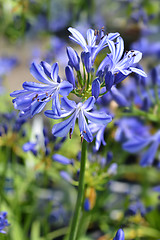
x=91 y=46
x=116 y=67
x=34 y=97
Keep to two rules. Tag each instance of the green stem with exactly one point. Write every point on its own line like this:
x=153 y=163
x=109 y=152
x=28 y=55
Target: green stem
x=76 y=216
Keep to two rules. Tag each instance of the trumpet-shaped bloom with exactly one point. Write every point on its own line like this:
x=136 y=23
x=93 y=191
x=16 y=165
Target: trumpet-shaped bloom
x=117 y=67
x=80 y=111
x=91 y=45
x=138 y=143
x=33 y=98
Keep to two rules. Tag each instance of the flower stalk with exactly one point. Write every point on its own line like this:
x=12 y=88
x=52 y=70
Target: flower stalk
x=77 y=211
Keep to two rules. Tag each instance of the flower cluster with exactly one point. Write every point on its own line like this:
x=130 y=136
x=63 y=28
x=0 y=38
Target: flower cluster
x=112 y=70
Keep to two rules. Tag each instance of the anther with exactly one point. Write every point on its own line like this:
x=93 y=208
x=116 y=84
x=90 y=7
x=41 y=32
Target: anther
x=43 y=98
x=70 y=133
x=95 y=32
x=46 y=94
x=84 y=131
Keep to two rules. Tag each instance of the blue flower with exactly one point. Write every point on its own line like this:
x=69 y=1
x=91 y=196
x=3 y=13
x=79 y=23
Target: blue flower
x=80 y=111
x=91 y=45
x=117 y=68
x=34 y=97
x=3 y=222
x=137 y=143
x=119 y=235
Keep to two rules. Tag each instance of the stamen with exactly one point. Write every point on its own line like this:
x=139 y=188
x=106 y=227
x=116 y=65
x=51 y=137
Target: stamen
x=70 y=133
x=43 y=98
x=46 y=94
x=95 y=32
x=82 y=137
x=35 y=97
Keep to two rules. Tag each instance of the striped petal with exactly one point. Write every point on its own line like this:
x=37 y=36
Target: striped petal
x=61 y=129
x=89 y=103
x=78 y=38
x=38 y=73
x=97 y=117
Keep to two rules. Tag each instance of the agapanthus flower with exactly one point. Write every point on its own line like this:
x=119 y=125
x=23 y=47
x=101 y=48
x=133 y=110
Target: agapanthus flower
x=3 y=222
x=91 y=45
x=34 y=97
x=116 y=67
x=81 y=111
x=138 y=143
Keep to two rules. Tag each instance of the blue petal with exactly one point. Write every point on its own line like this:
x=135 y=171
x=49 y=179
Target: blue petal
x=70 y=75
x=37 y=107
x=56 y=107
x=106 y=62
x=112 y=36
x=89 y=103
x=37 y=87
x=119 y=49
x=73 y=58
x=109 y=80
x=138 y=71
x=98 y=117
x=37 y=72
x=84 y=129
x=61 y=129
x=65 y=88
x=61 y=159
x=136 y=144
x=100 y=138
x=86 y=59
x=112 y=48
x=67 y=104
x=21 y=103
x=96 y=88
x=54 y=72
x=18 y=93
x=91 y=38
x=119 y=77
x=78 y=38
x=51 y=114
x=47 y=68
x=149 y=156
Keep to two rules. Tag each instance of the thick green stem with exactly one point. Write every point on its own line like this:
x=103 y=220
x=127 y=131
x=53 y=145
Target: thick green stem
x=77 y=212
